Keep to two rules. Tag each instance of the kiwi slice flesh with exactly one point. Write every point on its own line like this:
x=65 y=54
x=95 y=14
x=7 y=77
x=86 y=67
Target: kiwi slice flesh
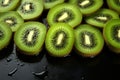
x=51 y=3
x=30 y=9
x=114 y=4
x=99 y=18
x=66 y=13
x=5 y=35
x=12 y=18
x=88 y=40
x=88 y=6
x=29 y=38
x=8 y=5
x=59 y=40
x=111 y=33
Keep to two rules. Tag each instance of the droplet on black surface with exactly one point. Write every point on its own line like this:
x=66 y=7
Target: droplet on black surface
x=41 y=75
x=12 y=72
x=9 y=59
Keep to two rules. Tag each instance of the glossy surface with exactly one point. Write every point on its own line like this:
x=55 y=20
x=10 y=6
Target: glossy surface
x=73 y=67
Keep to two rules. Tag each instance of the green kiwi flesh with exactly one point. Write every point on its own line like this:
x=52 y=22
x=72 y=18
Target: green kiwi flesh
x=99 y=18
x=111 y=33
x=8 y=5
x=88 y=6
x=5 y=35
x=51 y=3
x=29 y=38
x=30 y=9
x=66 y=13
x=59 y=40
x=114 y=4
x=88 y=40
x=13 y=19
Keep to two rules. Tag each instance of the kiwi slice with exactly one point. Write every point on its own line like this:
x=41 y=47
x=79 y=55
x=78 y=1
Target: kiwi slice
x=111 y=34
x=66 y=13
x=8 y=5
x=29 y=38
x=12 y=18
x=30 y=9
x=88 y=40
x=5 y=35
x=114 y=4
x=88 y=6
x=59 y=40
x=99 y=18
x=50 y=3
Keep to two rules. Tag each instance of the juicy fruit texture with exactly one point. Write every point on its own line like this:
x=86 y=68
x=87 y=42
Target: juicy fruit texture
x=88 y=6
x=114 y=4
x=102 y=16
x=30 y=9
x=51 y=3
x=66 y=13
x=59 y=40
x=13 y=19
x=5 y=35
x=88 y=40
x=8 y=5
x=111 y=34
x=30 y=37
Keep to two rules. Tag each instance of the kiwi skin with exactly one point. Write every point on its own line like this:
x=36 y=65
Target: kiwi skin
x=35 y=50
x=64 y=52
x=91 y=53
x=3 y=45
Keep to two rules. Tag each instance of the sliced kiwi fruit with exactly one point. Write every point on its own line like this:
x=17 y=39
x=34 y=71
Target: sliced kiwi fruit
x=66 y=13
x=30 y=9
x=8 y=5
x=5 y=35
x=12 y=18
x=111 y=33
x=88 y=6
x=114 y=4
x=99 y=18
x=89 y=41
x=29 y=38
x=50 y=3
x=59 y=40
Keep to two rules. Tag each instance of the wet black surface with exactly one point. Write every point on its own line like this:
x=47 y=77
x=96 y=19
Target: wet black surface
x=44 y=67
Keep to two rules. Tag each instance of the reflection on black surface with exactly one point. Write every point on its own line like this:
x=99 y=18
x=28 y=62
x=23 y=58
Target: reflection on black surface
x=6 y=51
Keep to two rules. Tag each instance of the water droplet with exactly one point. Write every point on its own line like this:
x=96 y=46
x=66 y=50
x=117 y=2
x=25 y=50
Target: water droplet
x=41 y=75
x=9 y=59
x=12 y=72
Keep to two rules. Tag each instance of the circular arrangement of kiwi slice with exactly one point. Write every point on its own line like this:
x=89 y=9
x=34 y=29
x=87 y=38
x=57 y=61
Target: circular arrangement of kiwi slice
x=5 y=35
x=29 y=38
x=89 y=41
x=30 y=9
x=100 y=17
x=8 y=5
x=87 y=6
x=51 y=3
x=114 y=4
x=13 y=19
x=111 y=33
x=66 y=13
x=59 y=40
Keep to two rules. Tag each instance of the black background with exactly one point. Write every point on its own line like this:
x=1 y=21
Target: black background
x=105 y=66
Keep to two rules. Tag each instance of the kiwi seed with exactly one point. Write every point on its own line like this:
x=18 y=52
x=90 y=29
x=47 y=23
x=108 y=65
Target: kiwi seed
x=30 y=37
x=59 y=40
x=66 y=13
x=5 y=35
x=88 y=40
